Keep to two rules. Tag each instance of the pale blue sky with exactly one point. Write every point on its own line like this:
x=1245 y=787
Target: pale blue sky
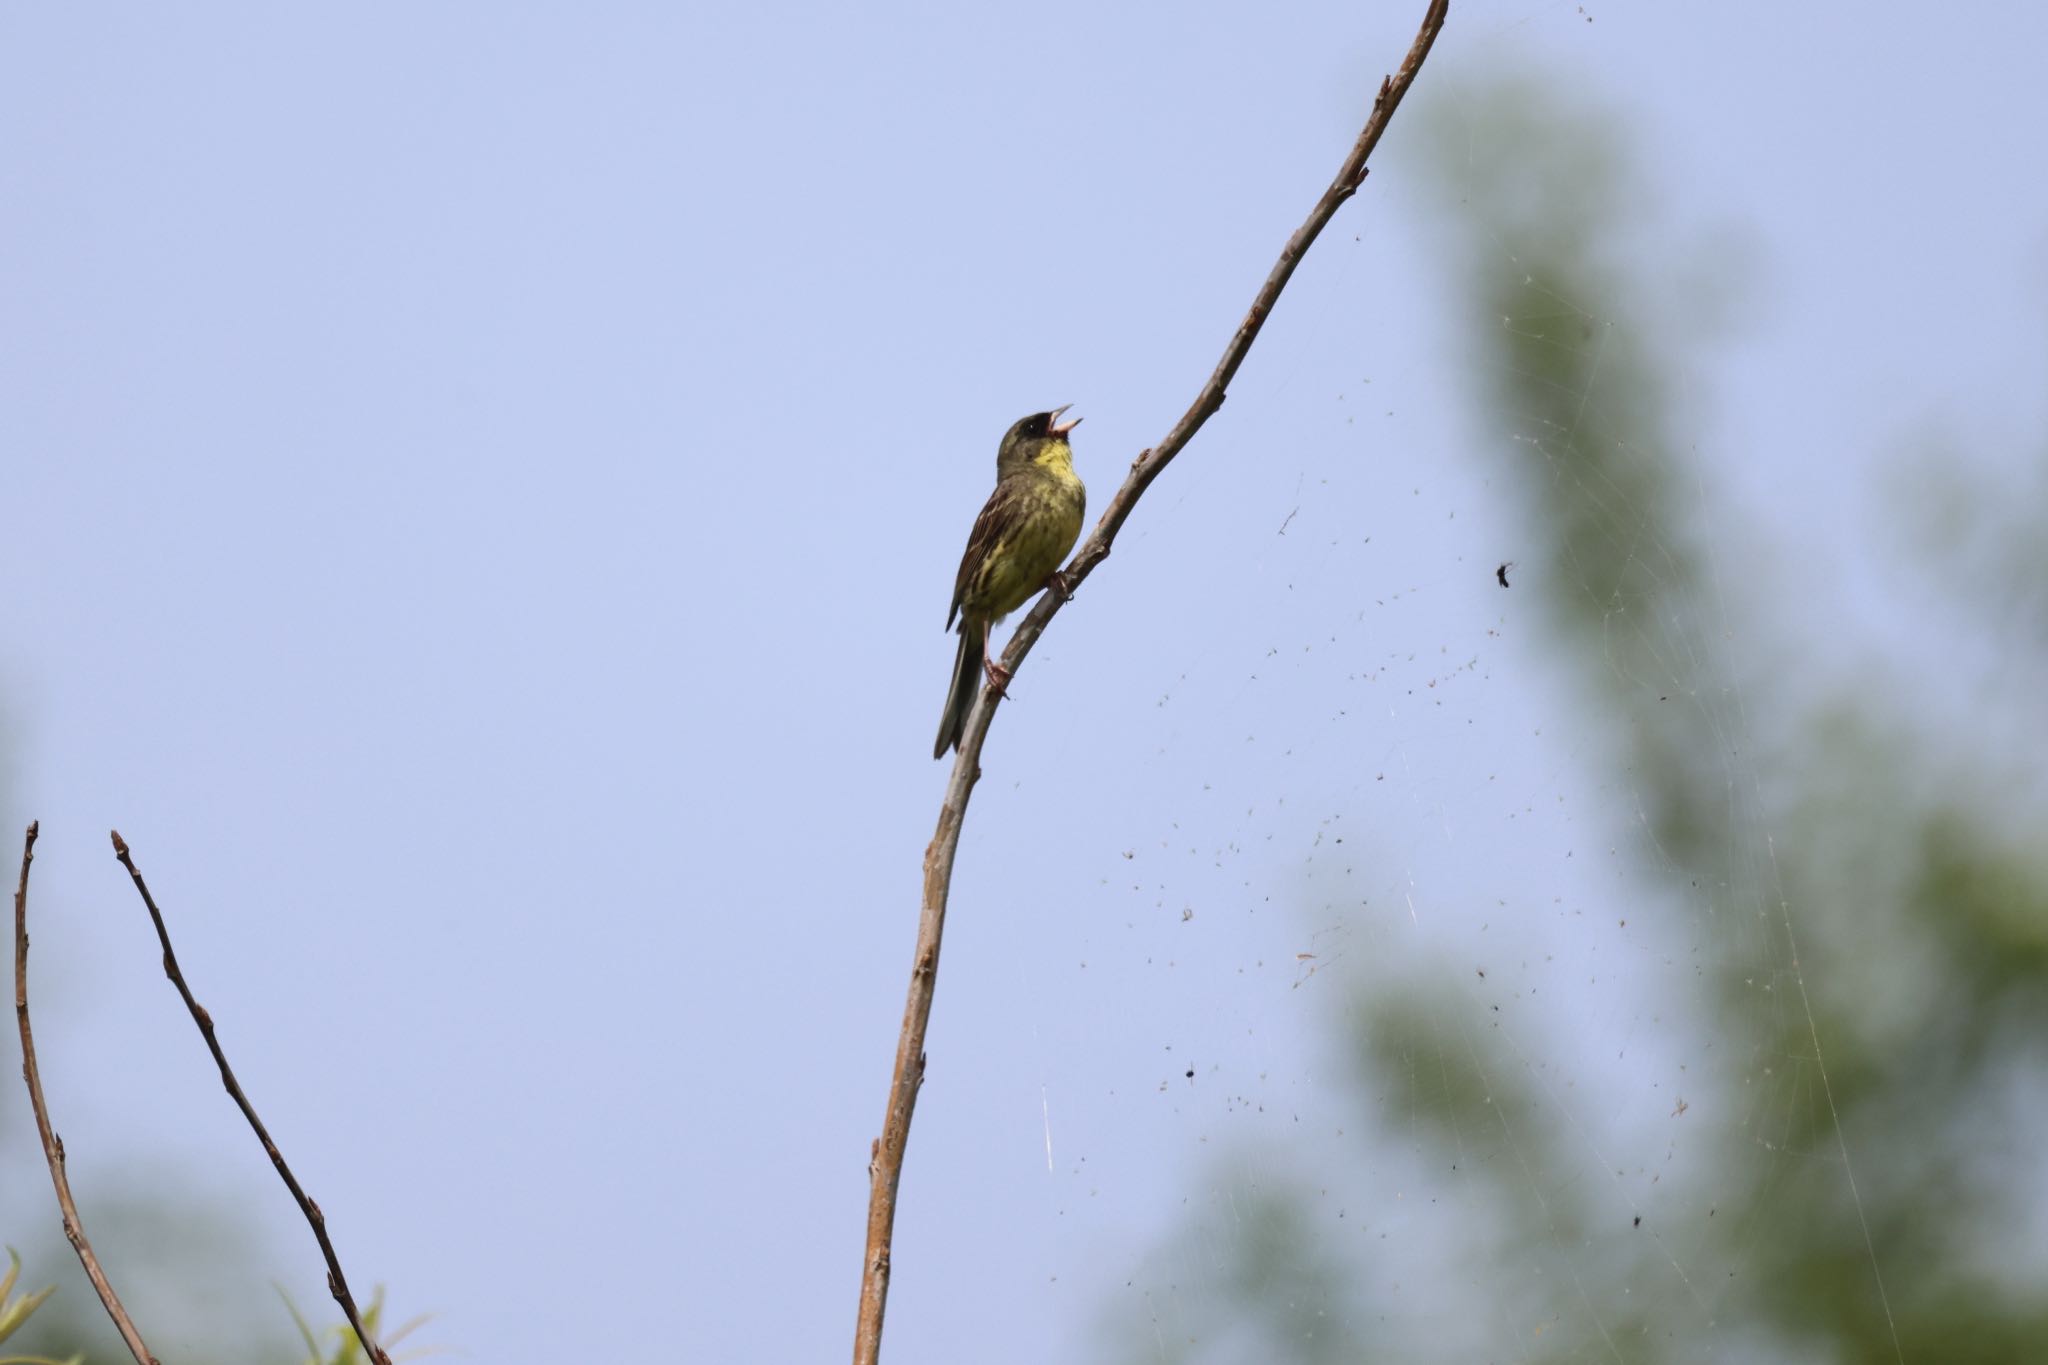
x=483 y=484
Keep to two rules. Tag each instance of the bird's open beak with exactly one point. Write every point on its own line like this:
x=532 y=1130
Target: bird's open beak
x=1060 y=428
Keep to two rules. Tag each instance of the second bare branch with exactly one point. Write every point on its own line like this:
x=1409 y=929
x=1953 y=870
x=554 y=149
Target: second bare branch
x=337 y=1283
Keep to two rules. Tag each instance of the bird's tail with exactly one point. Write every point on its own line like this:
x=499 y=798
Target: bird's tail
x=966 y=682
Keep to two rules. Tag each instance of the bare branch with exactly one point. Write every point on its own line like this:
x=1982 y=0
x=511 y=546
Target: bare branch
x=885 y=1168
x=53 y=1146
x=337 y=1283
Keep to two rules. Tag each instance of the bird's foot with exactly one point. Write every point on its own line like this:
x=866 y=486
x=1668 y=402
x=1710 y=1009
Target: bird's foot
x=998 y=676
x=1060 y=586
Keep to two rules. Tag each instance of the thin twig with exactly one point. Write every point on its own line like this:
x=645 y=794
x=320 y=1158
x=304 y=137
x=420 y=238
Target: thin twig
x=53 y=1146
x=885 y=1166
x=337 y=1283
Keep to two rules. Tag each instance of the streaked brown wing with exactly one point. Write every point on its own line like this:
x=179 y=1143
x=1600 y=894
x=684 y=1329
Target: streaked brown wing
x=998 y=515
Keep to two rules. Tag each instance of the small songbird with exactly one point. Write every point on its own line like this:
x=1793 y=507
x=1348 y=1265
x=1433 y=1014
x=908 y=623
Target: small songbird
x=1023 y=533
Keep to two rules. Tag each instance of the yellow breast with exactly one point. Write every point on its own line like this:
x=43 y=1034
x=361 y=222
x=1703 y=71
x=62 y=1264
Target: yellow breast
x=1050 y=503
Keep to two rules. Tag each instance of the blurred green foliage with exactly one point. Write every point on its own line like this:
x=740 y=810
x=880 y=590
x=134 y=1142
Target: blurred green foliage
x=1878 y=992
x=151 y=1236
x=337 y=1346
x=346 y=1348
x=15 y=1310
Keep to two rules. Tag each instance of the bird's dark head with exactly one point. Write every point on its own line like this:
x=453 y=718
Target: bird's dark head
x=1039 y=437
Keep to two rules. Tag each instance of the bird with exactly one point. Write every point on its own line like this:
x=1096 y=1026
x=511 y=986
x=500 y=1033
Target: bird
x=1018 y=542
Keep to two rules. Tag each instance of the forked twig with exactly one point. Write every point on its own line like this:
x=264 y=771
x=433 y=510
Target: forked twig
x=53 y=1146
x=885 y=1166
x=337 y=1283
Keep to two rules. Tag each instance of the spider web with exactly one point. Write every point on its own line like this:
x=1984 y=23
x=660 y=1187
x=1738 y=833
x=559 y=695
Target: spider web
x=1498 y=1033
